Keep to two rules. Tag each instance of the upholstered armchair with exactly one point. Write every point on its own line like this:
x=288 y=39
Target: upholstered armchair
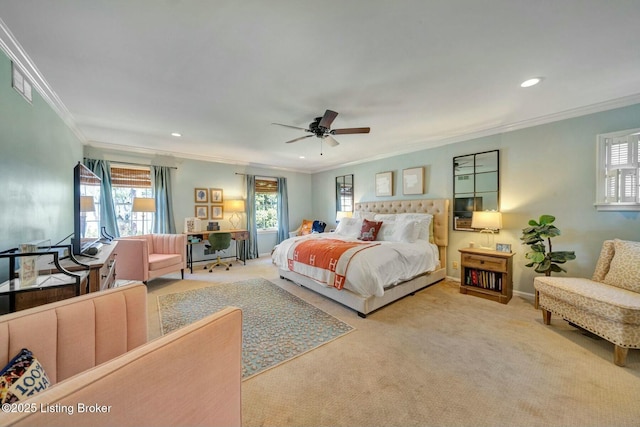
x=607 y=305
x=149 y=256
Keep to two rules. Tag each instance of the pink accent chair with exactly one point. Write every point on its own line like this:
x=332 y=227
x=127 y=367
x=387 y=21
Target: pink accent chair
x=94 y=350
x=150 y=255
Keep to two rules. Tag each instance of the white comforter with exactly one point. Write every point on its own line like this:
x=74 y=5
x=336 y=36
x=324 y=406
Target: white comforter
x=377 y=268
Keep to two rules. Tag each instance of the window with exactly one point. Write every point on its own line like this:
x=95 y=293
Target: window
x=129 y=182
x=266 y=204
x=618 y=188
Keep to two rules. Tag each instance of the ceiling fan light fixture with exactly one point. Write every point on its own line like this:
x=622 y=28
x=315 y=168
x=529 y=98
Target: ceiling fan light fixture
x=531 y=82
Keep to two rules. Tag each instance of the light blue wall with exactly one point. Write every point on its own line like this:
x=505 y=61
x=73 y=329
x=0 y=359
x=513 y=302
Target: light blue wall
x=546 y=169
x=190 y=174
x=37 y=155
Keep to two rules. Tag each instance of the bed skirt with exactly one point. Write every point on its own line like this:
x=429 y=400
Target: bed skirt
x=360 y=304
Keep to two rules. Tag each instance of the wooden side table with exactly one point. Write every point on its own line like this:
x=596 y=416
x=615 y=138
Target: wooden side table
x=487 y=274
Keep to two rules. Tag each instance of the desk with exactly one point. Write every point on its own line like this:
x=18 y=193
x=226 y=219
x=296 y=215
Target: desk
x=240 y=236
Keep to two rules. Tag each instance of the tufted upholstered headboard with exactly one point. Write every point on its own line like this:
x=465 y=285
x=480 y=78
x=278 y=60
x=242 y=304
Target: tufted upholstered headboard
x=439 y=208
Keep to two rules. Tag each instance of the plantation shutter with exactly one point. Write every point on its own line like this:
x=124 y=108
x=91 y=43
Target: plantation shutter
x=622 y=166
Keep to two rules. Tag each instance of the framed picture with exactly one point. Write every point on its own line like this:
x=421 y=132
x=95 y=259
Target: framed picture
x=503 y=247
x=216 y=195
x=384 y=184
x=413 y=181
x=217 y=212
x=201 y=195
x=202 y=211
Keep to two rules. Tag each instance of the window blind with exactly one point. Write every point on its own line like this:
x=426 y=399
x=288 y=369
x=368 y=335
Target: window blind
x=130 y=177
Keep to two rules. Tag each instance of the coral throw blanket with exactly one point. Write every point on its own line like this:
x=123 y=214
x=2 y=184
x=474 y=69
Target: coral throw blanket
x=325 y=260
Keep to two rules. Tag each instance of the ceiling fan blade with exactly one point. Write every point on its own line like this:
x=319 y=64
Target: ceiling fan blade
x=346 y=131
x=288 y=126
x=298 y=139
x=327 y=119
x=330 y=141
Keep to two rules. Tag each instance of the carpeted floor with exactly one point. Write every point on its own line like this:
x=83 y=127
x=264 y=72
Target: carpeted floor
x=438 y=358
x=277 y=326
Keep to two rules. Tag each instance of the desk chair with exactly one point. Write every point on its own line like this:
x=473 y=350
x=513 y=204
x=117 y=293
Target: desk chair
x=218 y=242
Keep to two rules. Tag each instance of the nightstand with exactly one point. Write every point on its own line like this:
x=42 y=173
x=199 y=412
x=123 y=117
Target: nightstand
x=487 y=274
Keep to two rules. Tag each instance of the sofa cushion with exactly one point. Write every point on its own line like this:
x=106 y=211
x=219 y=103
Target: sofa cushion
x=624 y=270
x=609 y=302
x=22 y=378
x=160 y=261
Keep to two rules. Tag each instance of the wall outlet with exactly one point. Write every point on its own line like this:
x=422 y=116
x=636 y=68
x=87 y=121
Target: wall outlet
x=455 y=265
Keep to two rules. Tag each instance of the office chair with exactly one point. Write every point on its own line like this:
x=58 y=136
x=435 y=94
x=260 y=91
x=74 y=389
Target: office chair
x=218 y=242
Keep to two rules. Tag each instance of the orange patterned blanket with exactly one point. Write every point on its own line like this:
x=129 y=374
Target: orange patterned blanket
x=324 y=260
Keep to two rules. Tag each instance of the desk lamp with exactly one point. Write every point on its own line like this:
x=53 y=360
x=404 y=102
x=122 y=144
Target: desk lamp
x=236 y=207
x=488 y=222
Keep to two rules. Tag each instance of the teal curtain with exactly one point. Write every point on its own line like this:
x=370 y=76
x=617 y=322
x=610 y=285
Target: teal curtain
x=251 y=217
x=164 y=222
x=102 y=168
x=283 y=210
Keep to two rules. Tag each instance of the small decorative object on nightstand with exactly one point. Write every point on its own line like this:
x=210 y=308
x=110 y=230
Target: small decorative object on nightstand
x=487 y=274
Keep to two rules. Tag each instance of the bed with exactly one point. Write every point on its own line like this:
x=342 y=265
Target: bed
x=356 y=291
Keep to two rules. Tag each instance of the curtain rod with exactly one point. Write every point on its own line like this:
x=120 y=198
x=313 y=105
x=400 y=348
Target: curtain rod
x=262 y=176
x=137 y=164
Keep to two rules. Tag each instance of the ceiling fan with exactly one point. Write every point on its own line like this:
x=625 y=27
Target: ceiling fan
x=321 y=127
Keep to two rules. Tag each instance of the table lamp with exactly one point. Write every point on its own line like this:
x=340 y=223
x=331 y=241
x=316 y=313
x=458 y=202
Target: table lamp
x=235 y=207
x=86 y=205
x=143 y=204
x=488 y=222
x=343 y=214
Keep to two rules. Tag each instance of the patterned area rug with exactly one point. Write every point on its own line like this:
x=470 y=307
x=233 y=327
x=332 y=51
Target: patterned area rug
x=277 y=326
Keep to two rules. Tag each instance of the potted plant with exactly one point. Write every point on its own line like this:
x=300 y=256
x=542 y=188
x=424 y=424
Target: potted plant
x=543 y=260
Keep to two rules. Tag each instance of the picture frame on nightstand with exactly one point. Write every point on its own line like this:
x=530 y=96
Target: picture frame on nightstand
x=503 y=247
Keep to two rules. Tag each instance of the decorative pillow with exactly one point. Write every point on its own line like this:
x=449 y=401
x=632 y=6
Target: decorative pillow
x=369 y=230
x=624 y=271
x=318 y=226
x=22 y=378
x=306 y=227
x=349 y=227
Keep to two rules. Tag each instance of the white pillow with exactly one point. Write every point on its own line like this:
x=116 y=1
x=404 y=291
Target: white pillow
x=406 y=231
x=424 y=223
x=364 y=215
x=349 y=227
x=387 y=231
x=384 y=217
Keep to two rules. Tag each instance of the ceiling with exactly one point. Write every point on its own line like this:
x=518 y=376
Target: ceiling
x=125 y=74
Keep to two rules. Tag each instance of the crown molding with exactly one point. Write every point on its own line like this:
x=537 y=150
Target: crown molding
x=17 y=54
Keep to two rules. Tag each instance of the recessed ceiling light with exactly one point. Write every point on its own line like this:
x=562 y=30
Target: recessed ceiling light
x=176 y=134
x=531 y=82
x=302 y=157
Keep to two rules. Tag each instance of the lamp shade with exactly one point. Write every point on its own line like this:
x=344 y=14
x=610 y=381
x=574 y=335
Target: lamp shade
x=486 y=220
x=232 y=205
x=143 y=204
x=87 y=204
x=343 y=214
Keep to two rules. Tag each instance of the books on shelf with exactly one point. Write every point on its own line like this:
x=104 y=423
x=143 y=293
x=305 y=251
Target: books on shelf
x=484 y=279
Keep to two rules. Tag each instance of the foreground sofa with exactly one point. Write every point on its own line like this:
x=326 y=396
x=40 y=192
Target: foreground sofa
x=607 y=305
x=95 y=352
x=150 y=255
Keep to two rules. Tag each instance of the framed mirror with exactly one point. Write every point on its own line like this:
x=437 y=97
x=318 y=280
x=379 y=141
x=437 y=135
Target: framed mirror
x=344 y=193
x=476 y=186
